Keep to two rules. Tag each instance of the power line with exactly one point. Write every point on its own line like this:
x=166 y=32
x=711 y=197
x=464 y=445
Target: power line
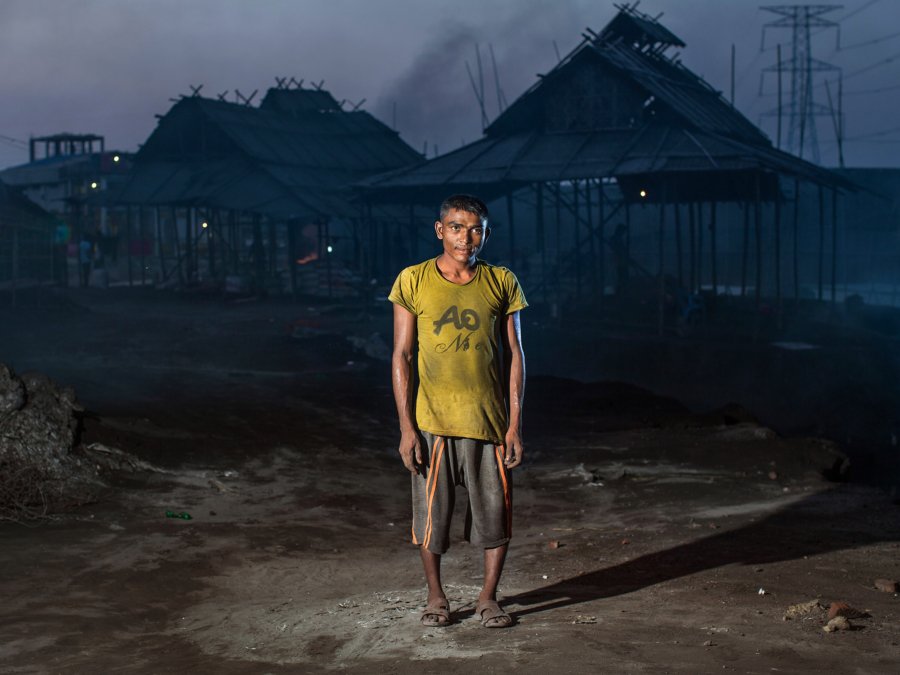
x=889 y=59
x=872 y=42
x=871 y=91
x=875 y=134
x=858 y=10
x=11 y=140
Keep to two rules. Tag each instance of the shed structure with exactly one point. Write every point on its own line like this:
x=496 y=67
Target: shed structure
x=617 y=123
x=28 y=252
x=233 y=189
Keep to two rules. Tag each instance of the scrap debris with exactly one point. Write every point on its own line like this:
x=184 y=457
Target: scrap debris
x=803 y=609
x=886 y=585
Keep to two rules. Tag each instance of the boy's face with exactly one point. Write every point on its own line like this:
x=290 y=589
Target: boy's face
x=462 y=234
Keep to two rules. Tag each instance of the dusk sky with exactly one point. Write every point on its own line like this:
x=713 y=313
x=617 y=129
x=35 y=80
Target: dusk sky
x=108 y=66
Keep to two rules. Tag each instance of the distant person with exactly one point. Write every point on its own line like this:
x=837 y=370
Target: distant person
x=619 y=245
x=85 y=258
x=457 y=428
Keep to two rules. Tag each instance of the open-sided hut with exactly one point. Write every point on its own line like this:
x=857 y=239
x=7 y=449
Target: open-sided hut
x=617 y=123
x=230 y=189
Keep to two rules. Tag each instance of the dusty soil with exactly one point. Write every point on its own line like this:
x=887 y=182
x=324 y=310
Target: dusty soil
x=648 y=537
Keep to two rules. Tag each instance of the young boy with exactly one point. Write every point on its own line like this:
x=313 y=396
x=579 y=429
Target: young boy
x=457 y=311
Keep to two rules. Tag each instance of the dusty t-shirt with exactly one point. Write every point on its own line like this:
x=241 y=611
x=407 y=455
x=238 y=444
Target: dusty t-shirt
x=460 y=391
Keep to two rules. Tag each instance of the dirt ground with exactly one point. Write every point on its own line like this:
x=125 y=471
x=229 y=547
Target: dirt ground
x=648 y=537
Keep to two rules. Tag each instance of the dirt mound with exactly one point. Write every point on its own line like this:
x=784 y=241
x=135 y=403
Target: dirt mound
x=40 y=469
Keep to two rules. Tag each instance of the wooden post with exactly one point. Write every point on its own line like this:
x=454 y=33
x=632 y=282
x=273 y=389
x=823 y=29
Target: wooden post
x=143 y=239
x=796 y=251
x=757 y=215
x=661 y=265
x=777 y=247
x=692 y=245
x=628 y=233
x=745 y=251
x=821 y=195
x=15 y=262
x=128 y=242
x=273 y=246
x=834 y=239
x=577 y=250
x=160 y=252
x=189 y=243
x=292 y=254
x=512 y=229
x=679 y=254
x=237 y=243
x=590 y=232
x=259 y=263
x=212 y=231
x=541 y=234
x=370 y=252
x=413 y=233
x=558 y=283
x=712 y=250
x=601 y=227
x=328 y=255
x=176 y=239
x=699 y=207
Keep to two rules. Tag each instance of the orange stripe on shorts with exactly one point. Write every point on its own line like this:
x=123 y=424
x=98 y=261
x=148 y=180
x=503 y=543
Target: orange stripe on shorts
x=498 y=449
x=436 y=468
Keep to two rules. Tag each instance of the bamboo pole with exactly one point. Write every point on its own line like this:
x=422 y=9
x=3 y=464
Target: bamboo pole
x=128 y=242
x=712 y=250
x=821 y=280
x=679 y=254
x=757 y=216
x=541 y=234
x=834 y=245
x=699 y=207
x=745 y=251
x=662 y=261
x=575 y=190
x=511 y=226
x=601 y=225
x=590 y=232
x=796 y=233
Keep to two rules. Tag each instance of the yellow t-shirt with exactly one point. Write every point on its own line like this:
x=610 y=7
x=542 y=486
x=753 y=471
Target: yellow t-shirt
x=460 y=389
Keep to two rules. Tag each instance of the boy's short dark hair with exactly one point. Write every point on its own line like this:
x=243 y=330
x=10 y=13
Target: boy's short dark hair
x=468 y=203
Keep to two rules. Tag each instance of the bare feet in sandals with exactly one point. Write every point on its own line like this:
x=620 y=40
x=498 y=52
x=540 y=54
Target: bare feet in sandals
x=436 y=613
x=491 y=615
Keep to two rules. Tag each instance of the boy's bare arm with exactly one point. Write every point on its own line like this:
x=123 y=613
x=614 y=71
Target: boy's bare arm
x=514 y=370
x=401 y=379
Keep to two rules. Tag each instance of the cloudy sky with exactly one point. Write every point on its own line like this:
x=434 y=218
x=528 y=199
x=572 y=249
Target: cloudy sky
x=108 y=66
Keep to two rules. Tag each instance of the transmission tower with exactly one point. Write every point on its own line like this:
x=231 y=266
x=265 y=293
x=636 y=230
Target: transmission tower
x=800 y=108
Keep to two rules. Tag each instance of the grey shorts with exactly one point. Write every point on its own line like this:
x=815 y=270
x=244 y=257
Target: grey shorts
x=477 y=466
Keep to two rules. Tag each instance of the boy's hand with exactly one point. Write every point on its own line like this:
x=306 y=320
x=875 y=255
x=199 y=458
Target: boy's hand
x=515 y=451
x=411 y=450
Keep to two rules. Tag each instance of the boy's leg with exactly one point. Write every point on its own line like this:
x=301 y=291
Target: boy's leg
x=432 y=564
x=493 y=568
x=433 y=497
x=489 y=522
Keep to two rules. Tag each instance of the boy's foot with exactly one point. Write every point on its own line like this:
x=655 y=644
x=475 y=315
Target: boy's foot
x=436 y=613
x=491 y=615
